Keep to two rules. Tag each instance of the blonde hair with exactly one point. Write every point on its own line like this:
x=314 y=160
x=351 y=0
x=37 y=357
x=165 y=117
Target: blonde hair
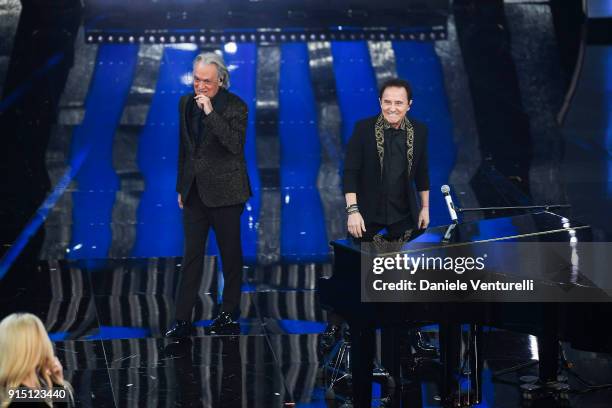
x=25 y=348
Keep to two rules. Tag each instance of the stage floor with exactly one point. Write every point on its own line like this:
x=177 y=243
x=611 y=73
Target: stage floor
x=106 y=318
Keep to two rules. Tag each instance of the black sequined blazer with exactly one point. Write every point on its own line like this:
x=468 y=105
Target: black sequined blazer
x=217 y=164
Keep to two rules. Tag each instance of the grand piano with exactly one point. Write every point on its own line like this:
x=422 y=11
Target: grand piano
x=570 y=301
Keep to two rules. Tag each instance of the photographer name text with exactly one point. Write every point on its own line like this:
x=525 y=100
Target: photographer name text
x=452 y=286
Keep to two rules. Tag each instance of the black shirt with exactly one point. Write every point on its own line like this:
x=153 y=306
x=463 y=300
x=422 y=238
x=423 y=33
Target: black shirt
x=197 y=115
x=393 y=204
x=362 y=168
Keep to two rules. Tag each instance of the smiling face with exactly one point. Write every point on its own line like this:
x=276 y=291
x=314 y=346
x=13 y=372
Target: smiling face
x=206 y=80
x=394 y=104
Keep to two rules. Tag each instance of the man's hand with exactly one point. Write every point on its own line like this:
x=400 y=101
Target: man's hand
x=424 y=218
x=180 y=201
x=356 y=226
x=204 y=103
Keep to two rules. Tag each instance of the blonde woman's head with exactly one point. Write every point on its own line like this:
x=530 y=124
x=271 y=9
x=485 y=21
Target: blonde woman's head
x=25 y=350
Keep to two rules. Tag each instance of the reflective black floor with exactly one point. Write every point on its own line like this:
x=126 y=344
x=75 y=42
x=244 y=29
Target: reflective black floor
x=106 y=318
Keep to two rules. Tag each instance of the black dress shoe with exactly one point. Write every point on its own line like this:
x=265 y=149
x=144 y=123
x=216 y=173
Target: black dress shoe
x=420 y=346
x=180 y=329
x=223 y=324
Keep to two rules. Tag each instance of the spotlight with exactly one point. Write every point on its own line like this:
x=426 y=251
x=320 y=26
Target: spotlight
x=230 y=47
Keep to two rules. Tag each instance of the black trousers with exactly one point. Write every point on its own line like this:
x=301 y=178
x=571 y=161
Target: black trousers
x=197 y=220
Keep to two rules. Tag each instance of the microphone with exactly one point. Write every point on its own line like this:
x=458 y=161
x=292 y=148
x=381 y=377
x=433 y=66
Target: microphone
x=445 y=189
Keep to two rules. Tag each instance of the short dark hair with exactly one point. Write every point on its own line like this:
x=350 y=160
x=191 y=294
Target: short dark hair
x=396 y=83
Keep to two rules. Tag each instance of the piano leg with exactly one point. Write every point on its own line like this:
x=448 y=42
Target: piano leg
x=362 y=355
x=450 y=349
x=548 y=344
x=390 y=352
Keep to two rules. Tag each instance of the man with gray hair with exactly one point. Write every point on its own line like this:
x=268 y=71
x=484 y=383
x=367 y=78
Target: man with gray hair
x=212 y=185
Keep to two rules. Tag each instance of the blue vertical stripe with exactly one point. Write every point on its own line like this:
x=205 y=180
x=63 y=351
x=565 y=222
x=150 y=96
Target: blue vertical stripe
x=243 y=67
x=159 y=228
x=418 y=63
x=91 y=235
x=303 y=236
x=355 y=83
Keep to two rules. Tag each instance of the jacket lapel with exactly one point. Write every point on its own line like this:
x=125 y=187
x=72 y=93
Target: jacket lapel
x=379 y=133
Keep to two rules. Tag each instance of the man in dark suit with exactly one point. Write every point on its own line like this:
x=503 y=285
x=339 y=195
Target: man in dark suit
x=212 y=185
x=385 y=165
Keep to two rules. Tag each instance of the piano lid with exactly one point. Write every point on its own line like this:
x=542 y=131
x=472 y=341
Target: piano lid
x=543 y=226
x=544 y=246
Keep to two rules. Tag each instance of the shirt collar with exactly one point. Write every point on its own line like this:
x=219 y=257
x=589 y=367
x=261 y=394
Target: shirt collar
x=387 y=125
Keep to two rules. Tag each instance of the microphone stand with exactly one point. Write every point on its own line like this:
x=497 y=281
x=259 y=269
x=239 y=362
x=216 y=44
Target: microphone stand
x=449 y=233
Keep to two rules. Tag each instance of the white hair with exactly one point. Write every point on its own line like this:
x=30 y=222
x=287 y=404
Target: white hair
x=217 y=60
